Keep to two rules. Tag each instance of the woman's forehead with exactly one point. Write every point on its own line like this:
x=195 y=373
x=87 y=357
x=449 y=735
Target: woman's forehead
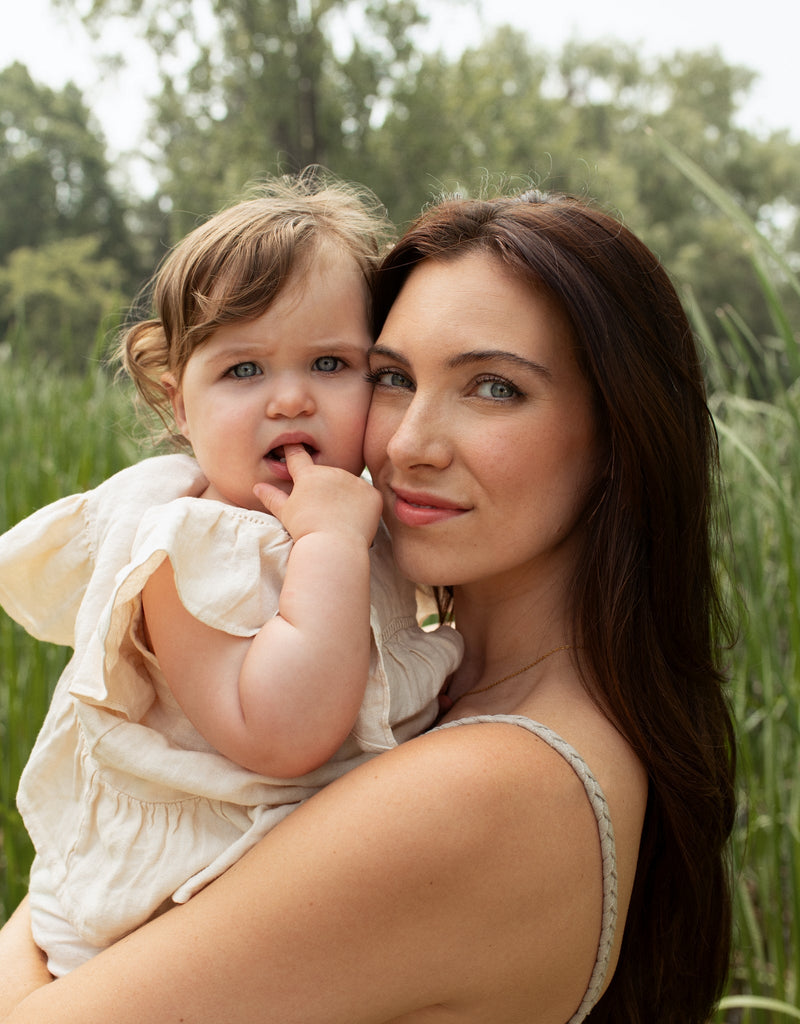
x=473 y=304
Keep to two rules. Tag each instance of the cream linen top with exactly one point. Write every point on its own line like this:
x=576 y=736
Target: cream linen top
x=127 y=804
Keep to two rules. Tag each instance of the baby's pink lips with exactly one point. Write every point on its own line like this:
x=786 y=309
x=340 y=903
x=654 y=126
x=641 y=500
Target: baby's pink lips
x=276 y=452
x=275 y=457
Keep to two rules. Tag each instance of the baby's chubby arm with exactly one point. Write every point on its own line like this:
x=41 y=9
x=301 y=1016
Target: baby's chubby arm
x=283 y=701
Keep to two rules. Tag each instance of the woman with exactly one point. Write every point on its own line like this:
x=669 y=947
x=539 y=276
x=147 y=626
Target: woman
x=540 y=437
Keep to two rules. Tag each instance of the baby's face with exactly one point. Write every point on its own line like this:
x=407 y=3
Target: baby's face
x=296 y=374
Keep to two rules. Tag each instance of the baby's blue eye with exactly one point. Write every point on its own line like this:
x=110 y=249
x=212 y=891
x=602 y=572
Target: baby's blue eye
x=244 y=370
x=327 y=364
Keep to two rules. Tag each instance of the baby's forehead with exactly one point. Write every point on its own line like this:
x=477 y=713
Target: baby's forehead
x=328 y=266
x=327 y=252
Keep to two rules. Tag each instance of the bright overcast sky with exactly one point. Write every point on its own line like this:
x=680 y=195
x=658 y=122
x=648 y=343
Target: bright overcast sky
x=761 y=35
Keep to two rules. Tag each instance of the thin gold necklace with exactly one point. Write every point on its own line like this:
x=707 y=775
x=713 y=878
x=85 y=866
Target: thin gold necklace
x=519 y=671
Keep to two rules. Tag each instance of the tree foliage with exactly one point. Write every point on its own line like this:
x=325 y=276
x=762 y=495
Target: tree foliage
x=252 y=87
x=53 y=169
x=57 y=298
x=68 y=260
x=265 y=88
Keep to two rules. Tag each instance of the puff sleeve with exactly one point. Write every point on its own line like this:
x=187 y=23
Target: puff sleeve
x=229 y=564
x=45 y=567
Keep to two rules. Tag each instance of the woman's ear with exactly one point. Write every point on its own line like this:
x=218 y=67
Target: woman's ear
x=173 y=389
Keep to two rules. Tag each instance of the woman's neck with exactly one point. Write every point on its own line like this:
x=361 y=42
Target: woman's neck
x=504 y=630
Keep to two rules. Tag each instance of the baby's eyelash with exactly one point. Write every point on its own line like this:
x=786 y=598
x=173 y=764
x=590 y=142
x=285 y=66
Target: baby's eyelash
x=231 y=371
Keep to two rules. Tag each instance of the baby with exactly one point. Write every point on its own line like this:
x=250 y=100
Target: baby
x=241 y=635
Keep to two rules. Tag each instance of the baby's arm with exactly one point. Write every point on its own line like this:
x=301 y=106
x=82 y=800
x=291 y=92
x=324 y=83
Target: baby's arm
x=283 y=701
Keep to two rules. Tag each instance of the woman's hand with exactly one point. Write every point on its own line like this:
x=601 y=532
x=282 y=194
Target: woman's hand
x=22 y=964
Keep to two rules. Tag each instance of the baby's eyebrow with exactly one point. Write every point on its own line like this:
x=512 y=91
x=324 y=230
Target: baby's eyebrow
x=339 y=345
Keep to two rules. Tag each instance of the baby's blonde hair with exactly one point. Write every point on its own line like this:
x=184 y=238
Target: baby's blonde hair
x=232 y=267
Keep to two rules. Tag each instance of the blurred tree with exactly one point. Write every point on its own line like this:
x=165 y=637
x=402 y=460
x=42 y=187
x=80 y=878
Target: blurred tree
x=581 y=122
x=690 y=99
x=450 y=123
x=264 y=87
x=56 y=300
x=68 y=259
x=54 y=176
x=252 y=87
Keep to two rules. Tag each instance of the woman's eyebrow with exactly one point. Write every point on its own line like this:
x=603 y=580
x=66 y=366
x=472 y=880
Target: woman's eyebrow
x=471 y=356
x=491 y=354
x=384 y=352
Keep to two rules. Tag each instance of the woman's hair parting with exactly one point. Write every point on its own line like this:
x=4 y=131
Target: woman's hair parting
x=648 y=606
x=232 y=267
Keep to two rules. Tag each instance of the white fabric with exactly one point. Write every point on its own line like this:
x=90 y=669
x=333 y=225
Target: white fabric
x=127 y=804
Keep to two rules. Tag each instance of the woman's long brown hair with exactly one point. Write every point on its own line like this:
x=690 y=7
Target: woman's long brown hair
x=647 y=601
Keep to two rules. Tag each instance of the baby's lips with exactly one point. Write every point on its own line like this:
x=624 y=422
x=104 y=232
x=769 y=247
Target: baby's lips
x=279 y=453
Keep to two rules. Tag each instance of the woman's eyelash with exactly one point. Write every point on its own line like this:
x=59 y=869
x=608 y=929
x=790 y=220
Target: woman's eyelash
x=500 y=389
x=511 y=389
x=376 y=376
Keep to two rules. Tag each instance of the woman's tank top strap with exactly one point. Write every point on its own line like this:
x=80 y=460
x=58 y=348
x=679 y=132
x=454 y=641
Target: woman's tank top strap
x=607 y=846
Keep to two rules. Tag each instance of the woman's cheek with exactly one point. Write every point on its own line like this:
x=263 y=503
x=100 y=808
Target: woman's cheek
x=376 y=437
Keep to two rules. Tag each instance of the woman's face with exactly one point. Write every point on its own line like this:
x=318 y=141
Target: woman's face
x=481 y=435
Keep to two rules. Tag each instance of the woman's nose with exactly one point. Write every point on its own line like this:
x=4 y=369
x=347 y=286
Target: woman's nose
x=289 y=396
x=421 y=438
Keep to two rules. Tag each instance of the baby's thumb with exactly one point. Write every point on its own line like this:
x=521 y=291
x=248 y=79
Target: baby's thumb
x=272 y=498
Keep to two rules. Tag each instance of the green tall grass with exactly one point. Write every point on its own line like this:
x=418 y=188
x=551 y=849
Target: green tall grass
x=59 y=435
x=760 y=455
x=760 y=447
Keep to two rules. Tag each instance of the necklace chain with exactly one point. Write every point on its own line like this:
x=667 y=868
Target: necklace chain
x=519 y=671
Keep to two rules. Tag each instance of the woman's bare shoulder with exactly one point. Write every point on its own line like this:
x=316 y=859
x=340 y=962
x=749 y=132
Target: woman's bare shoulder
x=484 y=854
x=456 y=877
x=507 y=816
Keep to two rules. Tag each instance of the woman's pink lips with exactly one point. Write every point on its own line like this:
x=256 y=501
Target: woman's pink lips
x=422 y=509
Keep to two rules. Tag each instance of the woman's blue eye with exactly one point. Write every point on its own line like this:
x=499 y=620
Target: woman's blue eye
x=244 y=370
x=389 y=379
x=327 y=364
x=496 y=389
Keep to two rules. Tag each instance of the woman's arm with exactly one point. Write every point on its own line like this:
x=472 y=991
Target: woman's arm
x=282 y=702
x=455 y=878
x=23 y=968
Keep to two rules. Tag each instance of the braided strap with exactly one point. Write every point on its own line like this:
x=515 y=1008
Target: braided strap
x=607 y=845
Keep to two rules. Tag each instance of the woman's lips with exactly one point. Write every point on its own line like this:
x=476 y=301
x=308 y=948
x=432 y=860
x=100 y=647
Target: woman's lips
x=418 y=509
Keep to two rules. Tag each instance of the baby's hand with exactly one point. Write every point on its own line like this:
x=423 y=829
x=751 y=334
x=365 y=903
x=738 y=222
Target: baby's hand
x=324 y=499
